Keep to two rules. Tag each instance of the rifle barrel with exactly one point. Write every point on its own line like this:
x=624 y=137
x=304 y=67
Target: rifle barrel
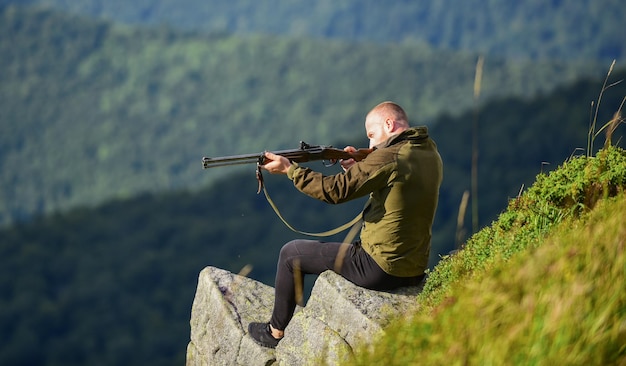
x=231 y=160
x=303 y=154
x=299 y=155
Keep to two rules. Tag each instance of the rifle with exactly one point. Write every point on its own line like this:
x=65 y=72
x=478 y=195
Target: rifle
x=303 y=154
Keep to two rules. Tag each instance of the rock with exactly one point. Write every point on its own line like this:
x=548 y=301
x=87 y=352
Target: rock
x=224 y=305
x=338 y=317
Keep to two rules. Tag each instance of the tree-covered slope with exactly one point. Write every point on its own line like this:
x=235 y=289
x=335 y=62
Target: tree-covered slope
x=536 y=29
x=91 y=110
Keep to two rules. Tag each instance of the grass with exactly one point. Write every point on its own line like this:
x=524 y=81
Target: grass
x=544 y=284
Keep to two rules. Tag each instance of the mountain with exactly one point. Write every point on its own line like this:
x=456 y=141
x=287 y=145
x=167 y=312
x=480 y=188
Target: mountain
x=92 y=110
x=530 y=29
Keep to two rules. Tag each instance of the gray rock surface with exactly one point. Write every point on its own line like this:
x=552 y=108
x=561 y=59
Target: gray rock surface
x=337 y=318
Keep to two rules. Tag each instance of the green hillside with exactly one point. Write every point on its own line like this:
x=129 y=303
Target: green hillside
x=91 y=110
x=543 y=285
x=534 y=29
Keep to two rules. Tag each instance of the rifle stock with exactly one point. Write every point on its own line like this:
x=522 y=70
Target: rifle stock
x=303 y=154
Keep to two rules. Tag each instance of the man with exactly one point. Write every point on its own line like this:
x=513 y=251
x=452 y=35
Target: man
x=402 y=176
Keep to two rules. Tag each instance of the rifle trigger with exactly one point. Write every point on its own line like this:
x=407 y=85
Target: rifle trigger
x=259 y=178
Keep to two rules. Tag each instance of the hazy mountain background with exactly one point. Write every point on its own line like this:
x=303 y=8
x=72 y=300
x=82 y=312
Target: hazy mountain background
x=532 y=29
x=106 y=109
x=93 y=110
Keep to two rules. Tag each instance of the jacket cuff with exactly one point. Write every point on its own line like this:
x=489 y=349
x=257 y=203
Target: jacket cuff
x=292 y=170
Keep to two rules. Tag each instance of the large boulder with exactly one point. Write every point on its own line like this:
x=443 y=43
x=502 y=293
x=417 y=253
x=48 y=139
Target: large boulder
x=338 y=317
x=223 y=306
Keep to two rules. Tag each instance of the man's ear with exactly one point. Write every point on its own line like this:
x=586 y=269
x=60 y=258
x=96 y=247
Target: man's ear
x=390 y=125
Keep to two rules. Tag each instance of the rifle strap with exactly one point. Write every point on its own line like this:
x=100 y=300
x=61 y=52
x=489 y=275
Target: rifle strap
x=353 y=223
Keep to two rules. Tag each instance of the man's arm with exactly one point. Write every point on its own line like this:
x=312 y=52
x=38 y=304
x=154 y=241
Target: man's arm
x=359 y=180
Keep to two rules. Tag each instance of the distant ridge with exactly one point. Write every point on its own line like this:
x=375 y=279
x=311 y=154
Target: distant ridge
x=91 y=110
x=526 y=29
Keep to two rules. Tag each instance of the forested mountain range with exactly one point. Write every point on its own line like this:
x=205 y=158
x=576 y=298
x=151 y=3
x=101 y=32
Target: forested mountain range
x=535 y=29
x=91 y=110
x=114 y=284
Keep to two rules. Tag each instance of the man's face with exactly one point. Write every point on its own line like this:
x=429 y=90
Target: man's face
x=375 y=130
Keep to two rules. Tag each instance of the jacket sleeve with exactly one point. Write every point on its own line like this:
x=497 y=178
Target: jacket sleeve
x=364 y=177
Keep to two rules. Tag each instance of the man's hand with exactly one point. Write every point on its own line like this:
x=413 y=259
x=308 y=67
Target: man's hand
x=347 y=163
x=277 y=164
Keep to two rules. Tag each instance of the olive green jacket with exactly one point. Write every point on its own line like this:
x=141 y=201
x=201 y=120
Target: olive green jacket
x=402 y=177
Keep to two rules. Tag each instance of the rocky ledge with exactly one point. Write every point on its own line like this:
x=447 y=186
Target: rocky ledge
x=337 y=318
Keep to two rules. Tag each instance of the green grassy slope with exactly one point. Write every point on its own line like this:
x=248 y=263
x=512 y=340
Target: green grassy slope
x=543 y=285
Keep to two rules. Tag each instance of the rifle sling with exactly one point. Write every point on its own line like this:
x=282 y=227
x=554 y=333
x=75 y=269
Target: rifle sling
x=352 y=223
